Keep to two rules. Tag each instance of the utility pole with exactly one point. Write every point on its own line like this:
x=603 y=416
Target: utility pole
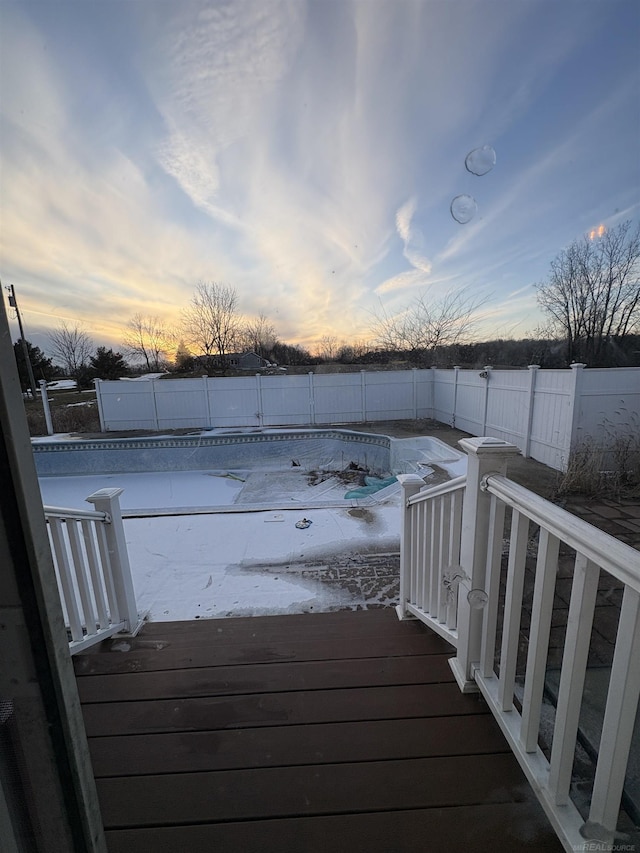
x=13 y=303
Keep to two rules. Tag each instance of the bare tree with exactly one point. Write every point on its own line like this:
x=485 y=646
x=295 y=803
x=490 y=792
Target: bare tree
x=592 y=295
x=72 y=347
x=149 y=339
x=258 y=335
x=211 y=322
x=428 y=323
x=327 y=347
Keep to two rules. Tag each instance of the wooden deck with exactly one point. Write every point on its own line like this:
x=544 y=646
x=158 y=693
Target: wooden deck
x=329 y=732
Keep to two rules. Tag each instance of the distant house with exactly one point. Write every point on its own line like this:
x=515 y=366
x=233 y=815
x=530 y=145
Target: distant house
x=237 y=361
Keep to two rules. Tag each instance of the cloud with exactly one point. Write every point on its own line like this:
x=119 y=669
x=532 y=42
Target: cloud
x=214 y=71
x=305 y=153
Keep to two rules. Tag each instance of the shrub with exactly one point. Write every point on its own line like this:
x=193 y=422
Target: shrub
x=598 y=470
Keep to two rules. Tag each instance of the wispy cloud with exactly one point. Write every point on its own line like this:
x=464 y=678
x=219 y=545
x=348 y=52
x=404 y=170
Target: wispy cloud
x=304 y=152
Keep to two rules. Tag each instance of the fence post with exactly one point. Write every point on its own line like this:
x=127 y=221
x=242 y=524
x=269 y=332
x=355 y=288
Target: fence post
x=456 y=369
x=45 y=405
x=107 y=500
x=363 y=394
x=155 y=404
x=312 y=402
x=411 y=485
x=432 y=391
x=415 y=393
x=575 y=398
x=259 y=399
x=533 y=375
x=487 y=375
x=207 y=402
x=484 y=456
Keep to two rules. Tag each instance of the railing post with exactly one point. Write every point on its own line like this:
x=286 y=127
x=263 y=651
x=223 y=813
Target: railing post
x=484 y=456
x=107 y=500
x=411 y=485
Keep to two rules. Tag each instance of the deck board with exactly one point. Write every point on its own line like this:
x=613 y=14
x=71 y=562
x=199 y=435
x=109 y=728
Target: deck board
x=342 y=731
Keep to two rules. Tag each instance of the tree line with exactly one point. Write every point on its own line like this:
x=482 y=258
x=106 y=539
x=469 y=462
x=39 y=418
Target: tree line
x=590 y=299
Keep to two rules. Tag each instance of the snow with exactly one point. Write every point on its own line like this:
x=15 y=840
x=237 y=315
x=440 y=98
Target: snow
x=208 y=544
x=144 y=378
x=61 y=385
x=243 y=558
x=217 y=565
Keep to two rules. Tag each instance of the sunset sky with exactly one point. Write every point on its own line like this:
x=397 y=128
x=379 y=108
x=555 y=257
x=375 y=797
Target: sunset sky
x=306 y=153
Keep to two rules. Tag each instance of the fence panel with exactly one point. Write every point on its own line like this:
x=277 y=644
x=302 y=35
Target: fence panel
x=443 y=395
x=397 y=395
x=551 y=421
x=338 y=398
x=181 y=403
x=508 y=406
x=233 y=401
x=469 y=401
x=126 y=405
x=287 y=400
x=534 y=409
x=609 y=406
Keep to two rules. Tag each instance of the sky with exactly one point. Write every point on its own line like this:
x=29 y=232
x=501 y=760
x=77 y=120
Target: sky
x=306 y=154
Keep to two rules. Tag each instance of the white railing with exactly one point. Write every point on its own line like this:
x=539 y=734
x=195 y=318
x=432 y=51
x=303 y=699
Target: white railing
x=92 y=569
x=481 y=615
x=430 y=553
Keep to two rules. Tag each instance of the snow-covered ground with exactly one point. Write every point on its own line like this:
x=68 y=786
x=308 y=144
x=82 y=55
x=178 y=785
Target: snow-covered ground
x=213 y=563
x=221 y=543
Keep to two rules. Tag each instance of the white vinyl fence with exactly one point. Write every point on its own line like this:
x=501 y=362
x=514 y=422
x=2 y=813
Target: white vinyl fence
x=544 y=412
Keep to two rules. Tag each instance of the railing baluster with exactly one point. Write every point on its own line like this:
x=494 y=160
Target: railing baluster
x=541 y=612
x=494 y=566
x=417 y=555
x=574 y=665
x=434 y=553
x=513 y=608
x=619 y=716
x=88 y=534
x=66 y=579
x=454 y=554
x=80 y=569
x=425 y=565
x=112 y=598
x=445 y=554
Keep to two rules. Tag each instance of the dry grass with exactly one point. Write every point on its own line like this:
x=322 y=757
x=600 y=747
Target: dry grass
x=596 y=471
x=66 y=414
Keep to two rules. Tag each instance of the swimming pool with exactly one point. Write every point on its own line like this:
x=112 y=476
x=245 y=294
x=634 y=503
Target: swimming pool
x=240 y=470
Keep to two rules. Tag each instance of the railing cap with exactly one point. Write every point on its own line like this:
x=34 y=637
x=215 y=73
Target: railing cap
x=487 y=445
x=101 y=494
